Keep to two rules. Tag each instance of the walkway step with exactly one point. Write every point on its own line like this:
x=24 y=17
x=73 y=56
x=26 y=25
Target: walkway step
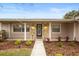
x=38 y=49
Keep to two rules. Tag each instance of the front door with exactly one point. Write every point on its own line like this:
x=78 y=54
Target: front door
x=39 y=31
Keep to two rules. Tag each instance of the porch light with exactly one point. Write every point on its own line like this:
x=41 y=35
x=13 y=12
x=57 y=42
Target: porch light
x=33 y=27
x=45 y=27
x=20 y=25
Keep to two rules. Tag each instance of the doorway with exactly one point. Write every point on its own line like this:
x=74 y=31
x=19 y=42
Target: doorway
x=39 y=31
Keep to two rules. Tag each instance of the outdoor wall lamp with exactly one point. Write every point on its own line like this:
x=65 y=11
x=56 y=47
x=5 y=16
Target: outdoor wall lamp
x=45 y=27
x=33 y=27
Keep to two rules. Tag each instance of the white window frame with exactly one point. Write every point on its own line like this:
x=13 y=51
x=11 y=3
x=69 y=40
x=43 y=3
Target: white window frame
x=29 y=28
x=60 y=28
x=14 y=31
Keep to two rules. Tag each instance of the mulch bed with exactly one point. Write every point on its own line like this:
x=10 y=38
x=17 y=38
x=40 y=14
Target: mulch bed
x=10 y=45
x=65 y=48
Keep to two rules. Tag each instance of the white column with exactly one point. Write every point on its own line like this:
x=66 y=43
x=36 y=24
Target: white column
x=9 y=30
x=24 y=31
x=74 y=32
x=0 y=26
x=50 y=30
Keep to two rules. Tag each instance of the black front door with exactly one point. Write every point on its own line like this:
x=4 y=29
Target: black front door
x=39 y=31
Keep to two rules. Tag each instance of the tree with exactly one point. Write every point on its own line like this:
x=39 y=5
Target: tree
x=71 y=14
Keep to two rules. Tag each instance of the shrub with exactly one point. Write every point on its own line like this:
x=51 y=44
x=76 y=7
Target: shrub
x=47 y=39
x=67 y=38
x=29 y=42
x=58 y=54
x=75 y=40
x=1 y=40
x=4 y=34
x=50 y=54
x=72 y=44
x=59 y=38
x=60 y=44
x=17 y=42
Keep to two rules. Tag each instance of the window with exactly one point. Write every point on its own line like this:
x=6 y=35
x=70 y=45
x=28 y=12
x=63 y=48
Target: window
x=27 y=28
x=56 y=28
x=18 y=28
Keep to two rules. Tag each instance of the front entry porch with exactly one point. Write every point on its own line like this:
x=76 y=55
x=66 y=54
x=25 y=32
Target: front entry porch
x=38 y=30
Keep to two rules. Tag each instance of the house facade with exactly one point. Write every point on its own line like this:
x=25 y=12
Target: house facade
x=33 y=29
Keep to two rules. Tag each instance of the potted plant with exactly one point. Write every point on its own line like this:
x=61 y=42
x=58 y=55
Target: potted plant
x=3 y=35
x=67 y=38
x=59 y=38
x=47 y=39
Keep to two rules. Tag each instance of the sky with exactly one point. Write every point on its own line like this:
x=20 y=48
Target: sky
x=36 y=10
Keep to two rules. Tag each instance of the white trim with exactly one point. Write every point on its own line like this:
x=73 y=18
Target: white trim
x=50 y=30
x=13 y=28
x=29 y=28
x=24 y=31
x=60 y=28
x=74 y=32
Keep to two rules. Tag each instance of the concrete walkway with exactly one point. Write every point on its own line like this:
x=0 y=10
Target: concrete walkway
x=38 y=49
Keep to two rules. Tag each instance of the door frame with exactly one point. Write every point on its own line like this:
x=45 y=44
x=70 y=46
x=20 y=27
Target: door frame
x=39 y=33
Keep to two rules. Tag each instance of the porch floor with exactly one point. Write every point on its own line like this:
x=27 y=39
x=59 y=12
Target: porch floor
x=38 y=49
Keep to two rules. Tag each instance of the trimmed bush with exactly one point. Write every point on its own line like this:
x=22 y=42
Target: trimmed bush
x=17 y=42
x=28 y=42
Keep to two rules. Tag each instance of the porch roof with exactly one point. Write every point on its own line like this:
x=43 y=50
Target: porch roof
x=23 y=19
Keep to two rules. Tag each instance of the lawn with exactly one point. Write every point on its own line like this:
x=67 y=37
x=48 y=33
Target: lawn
x=16 y=52
x=16 y=48
x=54 y=48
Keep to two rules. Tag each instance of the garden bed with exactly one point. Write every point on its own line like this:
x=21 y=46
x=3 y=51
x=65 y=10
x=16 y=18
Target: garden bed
x=8 y=47
x=54 y=48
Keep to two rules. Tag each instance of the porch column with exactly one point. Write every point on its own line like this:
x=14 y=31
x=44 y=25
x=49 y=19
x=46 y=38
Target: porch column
x=0 y=26
x=50 y=30
x=9 y=30
x=74 y=32
x=24 y=31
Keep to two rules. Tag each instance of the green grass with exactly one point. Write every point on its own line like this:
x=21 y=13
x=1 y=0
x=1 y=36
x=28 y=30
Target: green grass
x=16 y=52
